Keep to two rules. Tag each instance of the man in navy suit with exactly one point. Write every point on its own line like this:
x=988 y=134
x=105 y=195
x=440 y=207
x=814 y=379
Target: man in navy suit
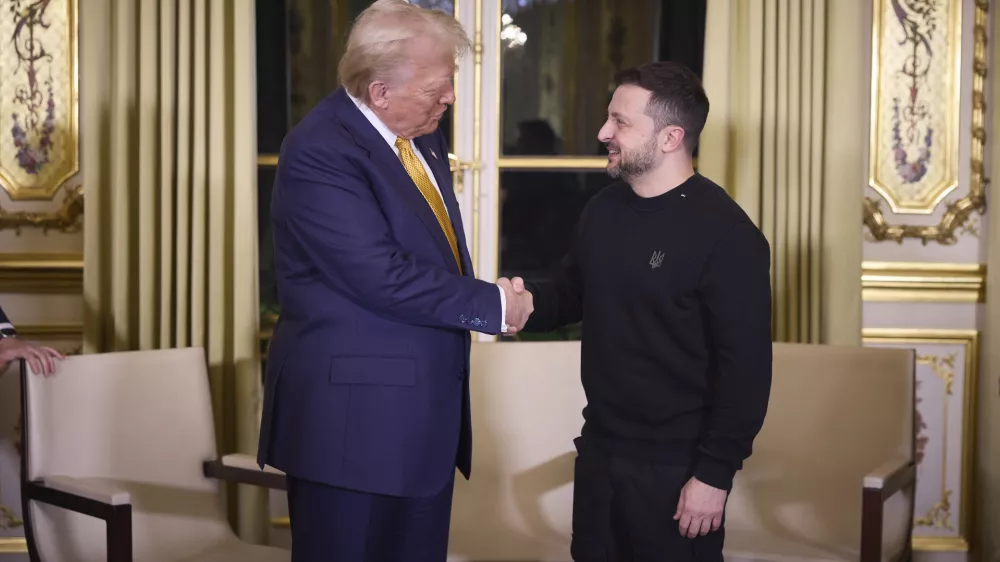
x=41 y=359
x=366 y=401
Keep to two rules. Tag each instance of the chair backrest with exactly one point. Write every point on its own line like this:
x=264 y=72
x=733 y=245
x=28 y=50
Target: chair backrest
x=835 y=414
x=141 y=416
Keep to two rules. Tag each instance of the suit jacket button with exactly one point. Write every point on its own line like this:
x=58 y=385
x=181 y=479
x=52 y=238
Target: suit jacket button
x=461 y=375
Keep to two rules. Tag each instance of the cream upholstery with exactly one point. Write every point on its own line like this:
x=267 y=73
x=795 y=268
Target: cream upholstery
x=836 y=416
x=130 y=428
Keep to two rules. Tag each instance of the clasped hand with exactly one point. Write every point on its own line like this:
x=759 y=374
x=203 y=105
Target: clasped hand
x=42 y=359
x=520 y=303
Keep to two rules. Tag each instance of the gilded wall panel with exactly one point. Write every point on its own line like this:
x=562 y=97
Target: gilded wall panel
x=947 y=369
x=39 y=148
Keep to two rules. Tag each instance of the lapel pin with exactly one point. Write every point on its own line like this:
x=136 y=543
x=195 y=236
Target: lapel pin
x=434 y=154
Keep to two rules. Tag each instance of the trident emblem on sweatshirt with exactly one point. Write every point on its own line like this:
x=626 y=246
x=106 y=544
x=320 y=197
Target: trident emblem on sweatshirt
x=656 y=260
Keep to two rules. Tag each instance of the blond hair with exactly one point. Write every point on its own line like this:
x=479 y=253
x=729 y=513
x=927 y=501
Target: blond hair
x=377 y=44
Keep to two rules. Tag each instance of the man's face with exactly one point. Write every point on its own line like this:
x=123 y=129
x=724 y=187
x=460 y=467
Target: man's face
x=416 y=99
x=633 y=144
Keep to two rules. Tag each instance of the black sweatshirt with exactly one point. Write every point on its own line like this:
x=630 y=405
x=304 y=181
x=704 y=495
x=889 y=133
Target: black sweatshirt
x=675 y=297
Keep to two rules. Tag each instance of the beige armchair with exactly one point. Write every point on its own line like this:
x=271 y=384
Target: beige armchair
x=119 y=463
x=831 y=477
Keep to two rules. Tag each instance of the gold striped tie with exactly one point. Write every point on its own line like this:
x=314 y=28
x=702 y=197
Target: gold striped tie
x=416 y=171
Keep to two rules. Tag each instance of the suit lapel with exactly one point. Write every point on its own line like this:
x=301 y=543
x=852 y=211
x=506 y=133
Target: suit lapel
x=379 y=151
x=442 y=173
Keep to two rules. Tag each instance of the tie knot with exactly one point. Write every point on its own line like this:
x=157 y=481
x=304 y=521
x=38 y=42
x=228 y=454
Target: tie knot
x=402 y=143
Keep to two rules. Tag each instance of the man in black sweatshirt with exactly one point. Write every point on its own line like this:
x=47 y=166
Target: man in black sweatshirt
x=672 y=282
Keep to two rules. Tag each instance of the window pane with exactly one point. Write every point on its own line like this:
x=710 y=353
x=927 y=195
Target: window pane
x=538 y=217
x=317 y=36
x=559 y=59
x=272 y=76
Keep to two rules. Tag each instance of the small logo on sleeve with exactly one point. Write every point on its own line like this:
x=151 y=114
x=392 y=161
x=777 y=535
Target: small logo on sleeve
x=656 y=260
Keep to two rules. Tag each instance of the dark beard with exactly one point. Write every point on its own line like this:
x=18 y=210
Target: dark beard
x=632 y=165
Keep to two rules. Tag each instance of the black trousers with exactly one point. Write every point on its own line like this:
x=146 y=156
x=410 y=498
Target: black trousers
x=623 y=511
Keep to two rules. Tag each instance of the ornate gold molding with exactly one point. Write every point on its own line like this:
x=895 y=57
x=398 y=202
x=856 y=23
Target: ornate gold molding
x=596 y=163
x=13 y=545
x=969 y=340
x=41 y=273
x=923 y=282
x=957 y=213
x=49 y=333
x=65 y=219
x=267 y=160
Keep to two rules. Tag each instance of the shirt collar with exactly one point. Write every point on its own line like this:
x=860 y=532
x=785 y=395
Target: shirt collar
x=388 y=135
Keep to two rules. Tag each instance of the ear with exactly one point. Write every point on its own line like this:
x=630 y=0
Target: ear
x=378 y=94
x=672 y=138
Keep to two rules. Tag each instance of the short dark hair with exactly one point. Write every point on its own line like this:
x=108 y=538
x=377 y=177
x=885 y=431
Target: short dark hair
x=677 y=97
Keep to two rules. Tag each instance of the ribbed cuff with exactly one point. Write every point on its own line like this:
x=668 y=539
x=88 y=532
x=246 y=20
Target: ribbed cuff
x=713 y=472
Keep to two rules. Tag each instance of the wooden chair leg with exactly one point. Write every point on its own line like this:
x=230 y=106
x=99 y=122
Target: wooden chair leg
x=120 y=534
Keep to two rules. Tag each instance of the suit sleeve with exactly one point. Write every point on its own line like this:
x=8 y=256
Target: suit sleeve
x=736 y=292
x=558 y=301
x=332 y=217
x=4 y=322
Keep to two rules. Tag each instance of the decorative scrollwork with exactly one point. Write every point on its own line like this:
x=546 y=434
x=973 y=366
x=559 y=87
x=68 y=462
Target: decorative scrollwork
x=9 y=519
x=957 y=213
x=68 y=218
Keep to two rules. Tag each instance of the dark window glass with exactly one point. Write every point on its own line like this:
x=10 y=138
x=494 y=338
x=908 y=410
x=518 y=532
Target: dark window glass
x=268 y=289
x=538 y=217
x=317 y=36
x=272 y=76
x=559 y=59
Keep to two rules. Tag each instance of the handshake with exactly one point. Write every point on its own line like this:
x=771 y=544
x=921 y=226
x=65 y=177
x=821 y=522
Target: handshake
x=520 y=304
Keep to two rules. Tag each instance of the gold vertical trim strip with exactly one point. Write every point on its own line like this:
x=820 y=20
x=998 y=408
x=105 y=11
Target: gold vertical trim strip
x=477 y=120
x=123 y=100
x=146 y=113
x=168 y=32
x=13 y=545
x=185 y=175
x=196 y=253
x=782 y=215
x=769 y=159
x=814 y=243
x=794 y=250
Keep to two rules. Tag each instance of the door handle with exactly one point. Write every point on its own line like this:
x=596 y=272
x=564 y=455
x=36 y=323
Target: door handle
x=458 y=168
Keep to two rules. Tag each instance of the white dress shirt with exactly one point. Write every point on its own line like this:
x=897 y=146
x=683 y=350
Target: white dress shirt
x=390 y=138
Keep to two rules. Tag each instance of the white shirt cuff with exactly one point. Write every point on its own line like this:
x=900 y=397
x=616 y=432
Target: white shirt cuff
x=503 y=310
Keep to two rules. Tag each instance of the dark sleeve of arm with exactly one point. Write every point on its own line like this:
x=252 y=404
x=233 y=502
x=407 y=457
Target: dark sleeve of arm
x=558 y=301
x=333 y=220
x=4 y=322
x=736 y=288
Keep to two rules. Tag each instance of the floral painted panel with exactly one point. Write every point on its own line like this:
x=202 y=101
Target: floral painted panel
x=916 y=62
x=39 y=147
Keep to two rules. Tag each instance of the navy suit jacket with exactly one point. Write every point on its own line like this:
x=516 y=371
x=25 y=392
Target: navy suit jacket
x=367 y=382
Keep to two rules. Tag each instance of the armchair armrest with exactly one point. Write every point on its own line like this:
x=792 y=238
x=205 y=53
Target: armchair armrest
x=878 y=486
x=96 y=499
x=243 y=469
x=100 y=491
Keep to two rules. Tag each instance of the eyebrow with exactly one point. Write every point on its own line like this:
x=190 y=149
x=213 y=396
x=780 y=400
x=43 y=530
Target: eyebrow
x=617 y=115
